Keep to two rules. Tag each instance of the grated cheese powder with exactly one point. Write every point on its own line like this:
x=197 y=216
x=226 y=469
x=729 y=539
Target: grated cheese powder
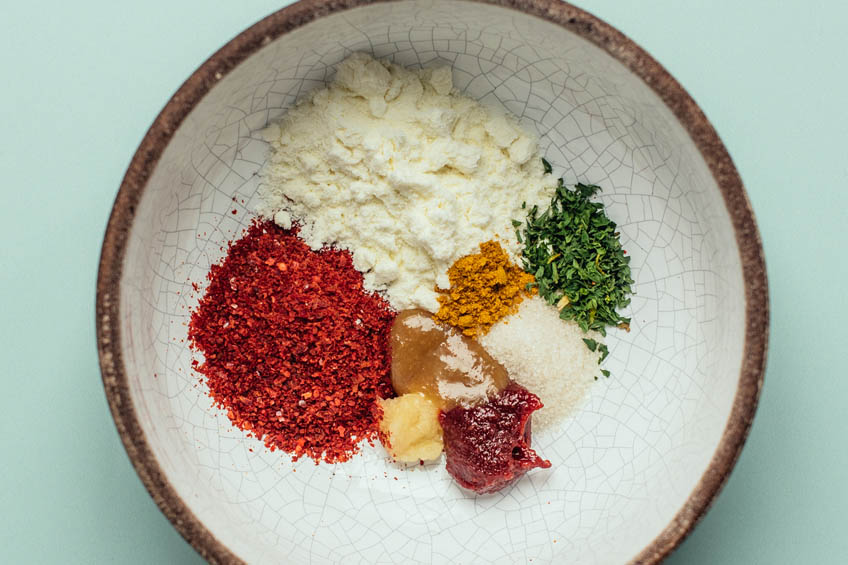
x=399 y=168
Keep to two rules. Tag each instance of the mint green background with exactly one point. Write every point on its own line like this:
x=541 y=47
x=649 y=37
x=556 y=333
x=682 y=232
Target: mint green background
x=83 y=81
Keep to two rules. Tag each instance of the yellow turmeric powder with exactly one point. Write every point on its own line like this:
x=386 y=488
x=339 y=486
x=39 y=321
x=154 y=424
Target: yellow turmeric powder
x=484 y=287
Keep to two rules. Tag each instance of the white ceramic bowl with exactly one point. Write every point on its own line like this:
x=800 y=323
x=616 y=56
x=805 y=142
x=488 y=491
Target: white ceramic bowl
x=633 y=469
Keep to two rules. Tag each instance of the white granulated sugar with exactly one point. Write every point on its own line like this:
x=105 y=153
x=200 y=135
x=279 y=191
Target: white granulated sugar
x=399 y=168
x=547 y=356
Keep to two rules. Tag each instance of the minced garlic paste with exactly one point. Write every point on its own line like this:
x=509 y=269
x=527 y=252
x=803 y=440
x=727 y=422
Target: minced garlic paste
x=411 y=425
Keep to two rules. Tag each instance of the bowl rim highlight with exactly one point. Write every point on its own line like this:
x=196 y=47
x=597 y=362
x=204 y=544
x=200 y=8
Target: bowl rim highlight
x=573 y=19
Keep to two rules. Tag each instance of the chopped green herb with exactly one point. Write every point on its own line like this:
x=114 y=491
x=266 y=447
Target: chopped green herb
x=576 y=239
x=575 y=253
x=591 y=344
x=604 y=352
x=547 y=166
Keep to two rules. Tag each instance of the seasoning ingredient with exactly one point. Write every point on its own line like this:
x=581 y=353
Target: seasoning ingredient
x=447 y=367
x=487 y=447
x=484 y=287
x=410 y=428
x=574 y=251
x=403 y=171
x=548 y=356
x=295 y=350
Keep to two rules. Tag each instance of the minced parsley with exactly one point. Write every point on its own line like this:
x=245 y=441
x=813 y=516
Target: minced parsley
x=574 y=251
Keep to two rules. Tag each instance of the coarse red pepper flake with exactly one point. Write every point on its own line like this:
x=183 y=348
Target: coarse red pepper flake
x=294 y=349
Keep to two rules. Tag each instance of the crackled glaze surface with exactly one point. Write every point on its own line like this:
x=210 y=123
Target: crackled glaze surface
x=623 y=466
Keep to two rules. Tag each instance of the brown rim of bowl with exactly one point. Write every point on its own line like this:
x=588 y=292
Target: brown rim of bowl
x=571 y=18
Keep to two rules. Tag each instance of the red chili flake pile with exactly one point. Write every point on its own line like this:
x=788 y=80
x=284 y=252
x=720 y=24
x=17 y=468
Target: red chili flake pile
x=295 y=349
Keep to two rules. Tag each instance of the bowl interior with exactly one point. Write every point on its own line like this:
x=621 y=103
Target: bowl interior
x=623 y=465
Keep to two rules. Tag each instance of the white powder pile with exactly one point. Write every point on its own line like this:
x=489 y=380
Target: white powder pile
x=547 y=356
x=409 y=175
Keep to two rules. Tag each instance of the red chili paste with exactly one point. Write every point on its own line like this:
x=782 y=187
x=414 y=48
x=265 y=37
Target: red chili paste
x=295 y=350
x=487 y=447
